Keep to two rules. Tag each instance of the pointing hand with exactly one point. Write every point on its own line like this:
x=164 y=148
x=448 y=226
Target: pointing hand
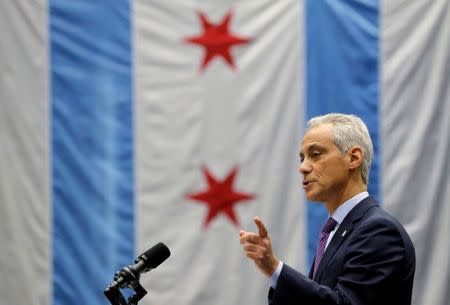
x=258 y=247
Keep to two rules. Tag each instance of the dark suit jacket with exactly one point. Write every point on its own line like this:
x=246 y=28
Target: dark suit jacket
x=370 y=260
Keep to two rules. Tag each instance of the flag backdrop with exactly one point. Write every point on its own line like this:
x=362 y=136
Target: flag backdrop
x=127 y=123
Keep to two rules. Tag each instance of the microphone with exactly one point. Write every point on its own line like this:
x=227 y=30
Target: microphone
x=150 y=259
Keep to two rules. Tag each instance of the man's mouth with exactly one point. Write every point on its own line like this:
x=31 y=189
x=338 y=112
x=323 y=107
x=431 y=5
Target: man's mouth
x=307 y=182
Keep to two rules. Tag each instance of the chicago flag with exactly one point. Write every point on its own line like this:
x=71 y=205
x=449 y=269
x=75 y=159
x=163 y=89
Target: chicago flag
x=124 y=123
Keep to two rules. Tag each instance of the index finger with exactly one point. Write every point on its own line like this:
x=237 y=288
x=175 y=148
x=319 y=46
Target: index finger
x=261 y=227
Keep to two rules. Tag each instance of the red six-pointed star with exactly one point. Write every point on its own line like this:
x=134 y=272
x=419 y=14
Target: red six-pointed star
x=220 y=197
x=216 y=39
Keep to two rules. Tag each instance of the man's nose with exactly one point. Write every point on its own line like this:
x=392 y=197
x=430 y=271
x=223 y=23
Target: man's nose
x=305 y=167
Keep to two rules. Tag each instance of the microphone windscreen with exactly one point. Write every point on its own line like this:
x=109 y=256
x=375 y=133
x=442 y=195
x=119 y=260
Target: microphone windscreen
x=155 y=255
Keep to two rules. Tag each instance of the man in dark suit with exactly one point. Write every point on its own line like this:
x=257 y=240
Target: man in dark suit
x=364 y=255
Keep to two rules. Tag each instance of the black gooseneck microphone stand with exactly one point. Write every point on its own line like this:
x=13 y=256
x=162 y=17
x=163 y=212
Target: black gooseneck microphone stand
x=115 y=297
x=129 y=276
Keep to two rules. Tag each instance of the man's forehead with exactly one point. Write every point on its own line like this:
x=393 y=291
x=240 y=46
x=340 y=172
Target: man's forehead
x=319 y=136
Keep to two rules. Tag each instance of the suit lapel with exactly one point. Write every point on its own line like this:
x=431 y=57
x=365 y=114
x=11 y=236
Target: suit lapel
x=341 y=234
x=311 y=270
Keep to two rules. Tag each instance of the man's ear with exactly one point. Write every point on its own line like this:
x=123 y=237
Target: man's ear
x=356 y=156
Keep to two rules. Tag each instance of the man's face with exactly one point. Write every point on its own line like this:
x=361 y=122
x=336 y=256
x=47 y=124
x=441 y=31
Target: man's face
x=324 y=168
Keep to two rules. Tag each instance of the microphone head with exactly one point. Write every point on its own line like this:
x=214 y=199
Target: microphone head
x=155 y=255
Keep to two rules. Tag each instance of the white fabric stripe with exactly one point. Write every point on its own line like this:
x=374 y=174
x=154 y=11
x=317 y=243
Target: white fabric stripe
x=250 y=117
x=24 y=154
x=416 y=135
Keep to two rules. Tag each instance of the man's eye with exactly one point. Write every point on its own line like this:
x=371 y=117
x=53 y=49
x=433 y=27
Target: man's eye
x=315 y=154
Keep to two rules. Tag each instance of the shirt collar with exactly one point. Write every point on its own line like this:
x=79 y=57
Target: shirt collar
x=345 y=208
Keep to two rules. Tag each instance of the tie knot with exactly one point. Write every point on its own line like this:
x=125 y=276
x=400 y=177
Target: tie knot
x=329 y=225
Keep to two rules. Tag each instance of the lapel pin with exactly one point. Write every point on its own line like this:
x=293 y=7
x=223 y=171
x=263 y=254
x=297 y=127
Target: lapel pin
x=343 y=233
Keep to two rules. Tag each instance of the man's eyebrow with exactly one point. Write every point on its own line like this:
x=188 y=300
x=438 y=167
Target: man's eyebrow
x=315 y=146
x=312 y=147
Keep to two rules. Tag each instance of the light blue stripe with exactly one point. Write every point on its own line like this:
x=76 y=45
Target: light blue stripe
x=342 y=47
x=92 y=147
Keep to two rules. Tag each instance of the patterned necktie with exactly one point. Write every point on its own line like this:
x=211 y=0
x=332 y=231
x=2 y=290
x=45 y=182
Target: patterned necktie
x=324 y=233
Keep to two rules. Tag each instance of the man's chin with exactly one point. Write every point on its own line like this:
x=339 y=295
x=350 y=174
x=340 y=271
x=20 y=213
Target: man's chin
x=313 y=197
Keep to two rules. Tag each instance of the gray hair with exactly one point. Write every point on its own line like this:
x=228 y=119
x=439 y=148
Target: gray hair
x=348 y=131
